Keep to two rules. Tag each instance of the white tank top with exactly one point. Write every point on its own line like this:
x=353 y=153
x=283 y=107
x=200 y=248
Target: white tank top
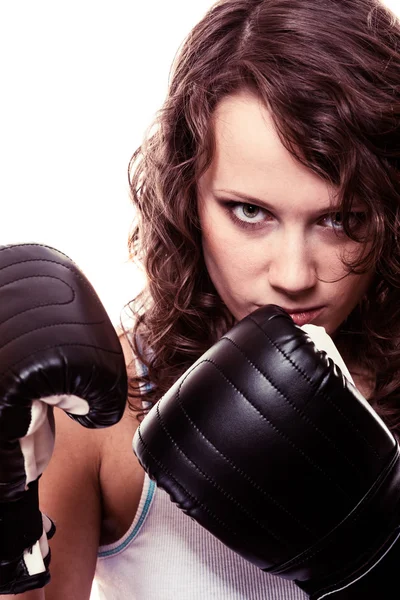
x=165 y=555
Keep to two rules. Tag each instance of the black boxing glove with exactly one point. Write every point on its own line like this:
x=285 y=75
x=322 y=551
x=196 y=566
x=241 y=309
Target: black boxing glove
x=267 y=445
x=57 y=348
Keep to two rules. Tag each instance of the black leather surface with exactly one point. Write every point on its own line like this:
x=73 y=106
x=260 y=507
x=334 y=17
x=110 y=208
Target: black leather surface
x=55 y=339
x=266 y=444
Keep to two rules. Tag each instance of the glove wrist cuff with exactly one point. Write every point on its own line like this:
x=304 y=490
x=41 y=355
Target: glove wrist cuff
x=15 y=578
x=372 y=580
x=20 y=523
x=354 y=542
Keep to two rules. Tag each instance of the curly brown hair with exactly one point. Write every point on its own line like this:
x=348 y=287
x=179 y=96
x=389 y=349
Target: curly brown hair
x=329 y=72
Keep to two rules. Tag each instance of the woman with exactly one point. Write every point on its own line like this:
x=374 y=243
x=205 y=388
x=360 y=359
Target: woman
x=271 y=176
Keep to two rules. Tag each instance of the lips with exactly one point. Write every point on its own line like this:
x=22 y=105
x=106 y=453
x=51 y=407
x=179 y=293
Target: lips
x=304 y=316
x=301 y=316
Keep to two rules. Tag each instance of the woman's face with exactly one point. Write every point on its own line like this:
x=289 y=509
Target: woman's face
x=269 y=229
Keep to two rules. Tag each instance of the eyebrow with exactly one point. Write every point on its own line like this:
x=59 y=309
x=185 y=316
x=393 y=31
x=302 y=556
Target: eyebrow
x=247 y=199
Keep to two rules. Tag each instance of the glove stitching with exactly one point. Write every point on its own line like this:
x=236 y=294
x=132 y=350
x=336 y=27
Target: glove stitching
x=212 y=482
x=75 y=271
x=41 y=304
x=31 y=245
x=60 y=346
x=282 y=434
x=17 y=337
x=169 y=474
x=324 y=395
x=228 y=460
x=296 y=408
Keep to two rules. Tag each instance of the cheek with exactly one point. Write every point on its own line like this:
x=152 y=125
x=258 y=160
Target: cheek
x=217 y=246
x=348 y=294
x=231 y=255
x=231 y=270
x=221 y=258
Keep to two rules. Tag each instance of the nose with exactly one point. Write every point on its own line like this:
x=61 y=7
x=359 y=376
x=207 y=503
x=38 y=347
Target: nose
x=292 y=269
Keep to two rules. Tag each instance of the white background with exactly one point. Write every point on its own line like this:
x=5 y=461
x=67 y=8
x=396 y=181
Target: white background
x=80 y=82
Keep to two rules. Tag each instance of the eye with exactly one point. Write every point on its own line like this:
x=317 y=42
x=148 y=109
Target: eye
x=334 y=221
x=247 y=214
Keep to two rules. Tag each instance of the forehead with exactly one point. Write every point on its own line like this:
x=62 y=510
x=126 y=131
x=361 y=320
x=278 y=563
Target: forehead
x=250 y=158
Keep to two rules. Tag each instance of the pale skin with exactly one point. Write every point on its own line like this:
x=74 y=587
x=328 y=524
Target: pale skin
x=93 y=484
x=269 y=228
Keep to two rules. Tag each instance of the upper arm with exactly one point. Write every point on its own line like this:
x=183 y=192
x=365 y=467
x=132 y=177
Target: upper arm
x=69 y=493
